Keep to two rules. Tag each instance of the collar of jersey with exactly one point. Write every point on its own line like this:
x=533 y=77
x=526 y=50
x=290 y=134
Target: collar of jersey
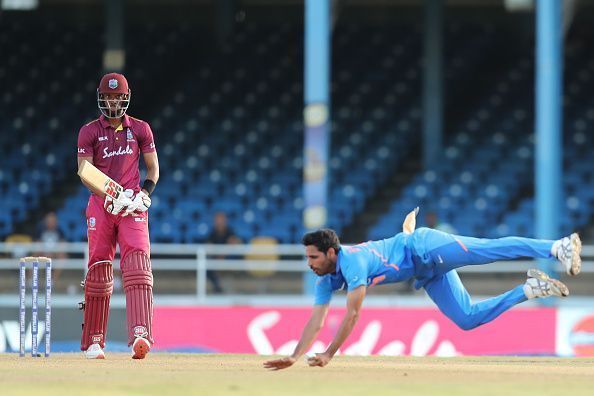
x=338 y=257
x=105 y=122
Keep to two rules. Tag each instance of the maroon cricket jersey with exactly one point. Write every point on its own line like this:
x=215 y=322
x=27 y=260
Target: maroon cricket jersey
x=116 y=153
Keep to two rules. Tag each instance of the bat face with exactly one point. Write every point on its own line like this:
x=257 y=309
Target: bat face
x=99 y=180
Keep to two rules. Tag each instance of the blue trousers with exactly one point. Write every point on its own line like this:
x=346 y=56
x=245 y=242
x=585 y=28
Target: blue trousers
x=438 y=254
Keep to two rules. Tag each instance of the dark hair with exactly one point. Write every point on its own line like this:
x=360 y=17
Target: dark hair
x=323 y=239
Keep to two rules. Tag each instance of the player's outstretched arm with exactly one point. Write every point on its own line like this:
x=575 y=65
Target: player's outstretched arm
x=354 y=303
x=310 y=331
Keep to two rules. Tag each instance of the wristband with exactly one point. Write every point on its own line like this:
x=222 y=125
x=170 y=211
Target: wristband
x=149 y=186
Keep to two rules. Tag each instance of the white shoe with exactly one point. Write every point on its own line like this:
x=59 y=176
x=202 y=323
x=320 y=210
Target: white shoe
x=540 y=284
x=568 y=253
x=94 y=352
x=140 y=348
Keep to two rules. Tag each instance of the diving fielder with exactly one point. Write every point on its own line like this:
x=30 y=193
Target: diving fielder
x=431 y=257
x=114 y=143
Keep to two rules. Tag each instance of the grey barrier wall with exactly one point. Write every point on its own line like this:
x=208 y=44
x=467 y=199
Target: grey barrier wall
x=66 y=330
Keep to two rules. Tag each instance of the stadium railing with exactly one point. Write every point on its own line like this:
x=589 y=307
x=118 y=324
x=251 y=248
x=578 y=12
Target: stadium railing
x=198 y=258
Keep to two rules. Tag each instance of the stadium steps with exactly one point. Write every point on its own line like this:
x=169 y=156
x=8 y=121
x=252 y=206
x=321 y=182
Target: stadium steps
x=378 y=205
x=587 y=232
x=51 y=202
x=526 y=191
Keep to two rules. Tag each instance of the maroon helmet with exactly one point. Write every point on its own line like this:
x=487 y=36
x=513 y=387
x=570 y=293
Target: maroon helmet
x=114 y=107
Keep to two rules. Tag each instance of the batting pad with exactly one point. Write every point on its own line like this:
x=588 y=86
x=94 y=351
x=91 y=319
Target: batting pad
x=138 y=286
x=98 y=288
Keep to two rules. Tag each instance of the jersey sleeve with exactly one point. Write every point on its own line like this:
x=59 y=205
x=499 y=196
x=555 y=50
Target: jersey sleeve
x=85 y=142
x=147 y=141
x=354 y=271
x=323 y=291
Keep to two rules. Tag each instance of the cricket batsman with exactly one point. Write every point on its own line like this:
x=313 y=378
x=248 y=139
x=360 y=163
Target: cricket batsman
x=431 y=257
x=113 y=143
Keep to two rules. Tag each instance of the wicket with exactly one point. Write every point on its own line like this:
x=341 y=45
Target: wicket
x=35 y=261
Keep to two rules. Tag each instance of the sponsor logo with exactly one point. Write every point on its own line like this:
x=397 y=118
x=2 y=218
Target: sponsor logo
x=112 y=189
x=139 y=219
x=152 y=145
x=81 y=150
x=426 y=340
x=102 y=138
x=97 y=338
x=119 y=151
x=113 y=83
x=379 y=331
x=92 y=223
x=581 y=336
x=383 y=259
x=140 y=331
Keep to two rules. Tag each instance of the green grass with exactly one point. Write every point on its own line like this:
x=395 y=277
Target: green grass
x=196 y=374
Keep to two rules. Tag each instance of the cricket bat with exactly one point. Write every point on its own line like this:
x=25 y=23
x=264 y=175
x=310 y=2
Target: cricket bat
x=99 y=180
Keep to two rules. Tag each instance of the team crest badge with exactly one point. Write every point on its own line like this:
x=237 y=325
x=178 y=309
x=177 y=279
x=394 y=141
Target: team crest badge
x=92 y=222
x=113 y=83
x=129 y=134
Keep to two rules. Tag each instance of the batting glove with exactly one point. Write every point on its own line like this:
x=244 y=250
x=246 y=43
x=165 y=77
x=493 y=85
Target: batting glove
x=120 y=205
x=140 y=204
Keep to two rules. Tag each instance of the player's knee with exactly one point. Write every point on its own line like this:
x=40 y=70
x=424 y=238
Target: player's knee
x=465 y=322
x=136 y=270
x=99 y=280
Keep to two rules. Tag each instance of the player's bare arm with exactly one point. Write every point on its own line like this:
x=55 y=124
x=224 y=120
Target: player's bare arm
x=354 y=302
x=152 y=167
x=310 y=332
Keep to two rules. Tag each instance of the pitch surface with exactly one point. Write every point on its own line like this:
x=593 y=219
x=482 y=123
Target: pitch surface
x=197 y=374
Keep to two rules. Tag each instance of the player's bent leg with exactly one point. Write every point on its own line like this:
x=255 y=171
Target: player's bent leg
x=137 y=277
x=450 y=295
x=98 y=285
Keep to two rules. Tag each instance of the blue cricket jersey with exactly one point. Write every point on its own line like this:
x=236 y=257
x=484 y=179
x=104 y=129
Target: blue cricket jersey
x=370 y=263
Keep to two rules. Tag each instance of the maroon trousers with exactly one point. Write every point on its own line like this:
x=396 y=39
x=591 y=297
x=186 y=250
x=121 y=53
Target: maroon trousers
x=104 y=230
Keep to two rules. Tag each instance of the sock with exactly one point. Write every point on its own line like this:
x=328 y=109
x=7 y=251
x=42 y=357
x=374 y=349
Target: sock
x=555 y=247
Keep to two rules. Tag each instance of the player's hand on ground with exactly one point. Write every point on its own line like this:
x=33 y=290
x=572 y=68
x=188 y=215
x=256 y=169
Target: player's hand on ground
x=119 y=205
x=140 y=203
x=319 y=359
x=279 y=364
